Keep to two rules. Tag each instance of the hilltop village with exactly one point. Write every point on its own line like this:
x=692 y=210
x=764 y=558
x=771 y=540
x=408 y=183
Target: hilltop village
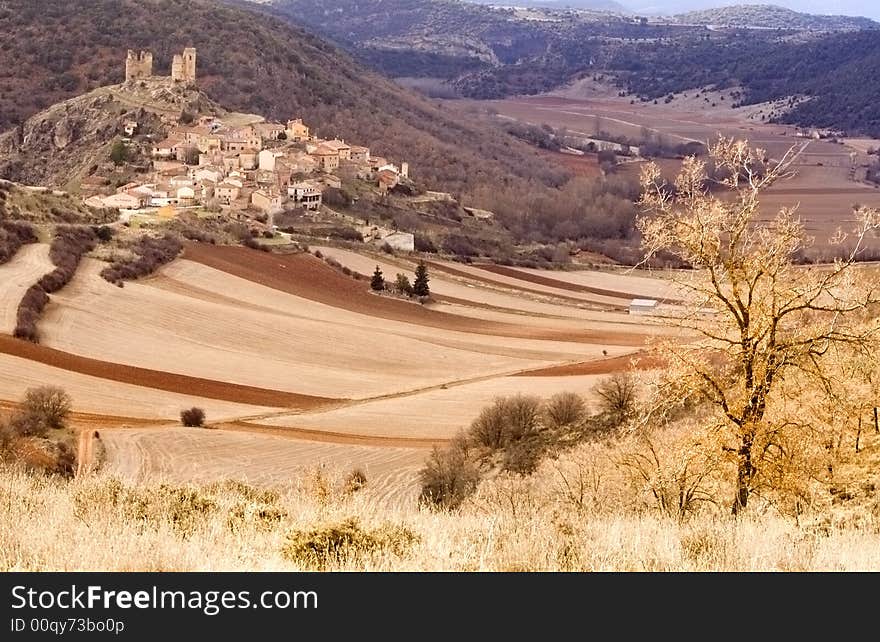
x=236 y=165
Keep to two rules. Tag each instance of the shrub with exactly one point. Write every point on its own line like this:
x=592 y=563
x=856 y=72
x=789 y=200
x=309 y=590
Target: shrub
x=448 y=477
x=507 y=420
x=402 y=285
x=150 y=253
x=104 y=233
x=345 y=540
x=28 y=315
x=355 y=480
x=14 y=234
x=193 y=418
x=565 y=409
x=26 y=424
x=424 y=243
x=617 y=397
x=50 y=404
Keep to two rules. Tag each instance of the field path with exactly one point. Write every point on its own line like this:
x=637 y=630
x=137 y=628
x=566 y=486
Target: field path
x=16 y=276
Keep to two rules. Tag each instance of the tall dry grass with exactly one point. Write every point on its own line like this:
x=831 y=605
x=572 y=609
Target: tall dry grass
x=511 y=524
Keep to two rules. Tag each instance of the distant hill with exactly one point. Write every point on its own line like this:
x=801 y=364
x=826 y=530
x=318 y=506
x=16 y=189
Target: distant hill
x=247 y=61
x=592 y=5
x=772 y=17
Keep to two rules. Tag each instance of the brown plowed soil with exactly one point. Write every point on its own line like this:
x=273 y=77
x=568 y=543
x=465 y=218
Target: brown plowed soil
x=467 y=275
x=600 y=366
x=305 y=276
x=158 y=380
x=564 y=285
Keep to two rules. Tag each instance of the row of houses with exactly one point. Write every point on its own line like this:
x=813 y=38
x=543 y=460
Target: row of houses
x=263 y=166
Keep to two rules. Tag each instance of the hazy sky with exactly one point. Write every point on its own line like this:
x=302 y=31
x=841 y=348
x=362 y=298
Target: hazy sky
x=869 y=8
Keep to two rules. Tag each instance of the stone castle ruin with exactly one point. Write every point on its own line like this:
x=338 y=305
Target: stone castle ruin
x=140 y=65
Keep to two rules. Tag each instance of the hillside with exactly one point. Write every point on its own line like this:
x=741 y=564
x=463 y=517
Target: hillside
x=830 y=71
x=757 y=16
x=247 y=62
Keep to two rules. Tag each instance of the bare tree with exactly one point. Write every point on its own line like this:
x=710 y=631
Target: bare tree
x=753 y=317
x=617 y=396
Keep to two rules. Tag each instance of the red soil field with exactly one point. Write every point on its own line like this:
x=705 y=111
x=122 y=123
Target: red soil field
x=565 y=285
x=305 y=276
x=452 y=271
x=586 y=165
x=167 y=381
x=600 y=366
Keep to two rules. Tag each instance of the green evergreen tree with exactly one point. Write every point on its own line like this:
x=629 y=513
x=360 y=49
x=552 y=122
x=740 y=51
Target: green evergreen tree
x=119 y=153
x=420 y=285
x=403 y=285
x=377 y=282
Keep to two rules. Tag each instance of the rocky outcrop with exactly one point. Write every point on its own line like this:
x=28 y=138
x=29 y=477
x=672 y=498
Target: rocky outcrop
x=69 y=139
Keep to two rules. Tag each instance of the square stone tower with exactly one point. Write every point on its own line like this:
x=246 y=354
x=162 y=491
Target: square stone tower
x=183 y=66
x=138 y=65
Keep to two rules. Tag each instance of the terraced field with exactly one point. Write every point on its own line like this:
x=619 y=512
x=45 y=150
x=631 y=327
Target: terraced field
x=301 y=365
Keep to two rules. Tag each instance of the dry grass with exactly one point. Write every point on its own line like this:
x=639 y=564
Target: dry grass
x=512 y=524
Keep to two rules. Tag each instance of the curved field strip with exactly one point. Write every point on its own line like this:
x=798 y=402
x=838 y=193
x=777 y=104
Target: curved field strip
x=99 y=402
x=524 y=286
x=436 y=414
x=191 y=455
x=195 y=280
x=602 y=366
x=469 y=291
x=21 y=272
x=627 y=285
x=288 y=343
x=330 y=437
x=308 y=277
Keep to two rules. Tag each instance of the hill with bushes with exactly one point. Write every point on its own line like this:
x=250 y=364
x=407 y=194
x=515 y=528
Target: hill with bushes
x=252 y=62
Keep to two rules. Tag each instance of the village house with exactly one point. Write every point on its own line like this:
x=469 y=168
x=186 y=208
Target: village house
x=297 y=131
x=247 y=160
x=130 y=128
x=207 y=172
x=401 y=241
x=342 y=149
x=267 y=158
x=360 y=154
x=267 y=201
x=227 y=192
x=328 y=158
x=387 y=179
x=186 y=196
x=269 y=131
x=306 y=194
x=168 y=148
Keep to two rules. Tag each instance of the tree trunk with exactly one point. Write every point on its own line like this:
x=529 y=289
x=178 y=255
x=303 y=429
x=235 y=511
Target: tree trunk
x=744 y=473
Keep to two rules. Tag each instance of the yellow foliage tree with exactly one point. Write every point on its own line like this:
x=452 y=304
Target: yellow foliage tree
x=753 y=319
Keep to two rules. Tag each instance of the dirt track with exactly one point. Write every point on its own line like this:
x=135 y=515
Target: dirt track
x=171 y=382
x=602 y=366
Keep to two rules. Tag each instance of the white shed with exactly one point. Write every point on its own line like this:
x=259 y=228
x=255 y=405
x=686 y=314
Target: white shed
x=642 y=306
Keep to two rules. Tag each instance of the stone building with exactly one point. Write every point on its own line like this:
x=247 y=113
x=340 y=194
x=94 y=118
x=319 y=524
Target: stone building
x=138 y=65
x=183 y=66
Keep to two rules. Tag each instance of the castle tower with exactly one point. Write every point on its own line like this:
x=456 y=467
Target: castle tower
x=183 y=66
x=177 y=73
x=138 y=65
x=189 y=63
